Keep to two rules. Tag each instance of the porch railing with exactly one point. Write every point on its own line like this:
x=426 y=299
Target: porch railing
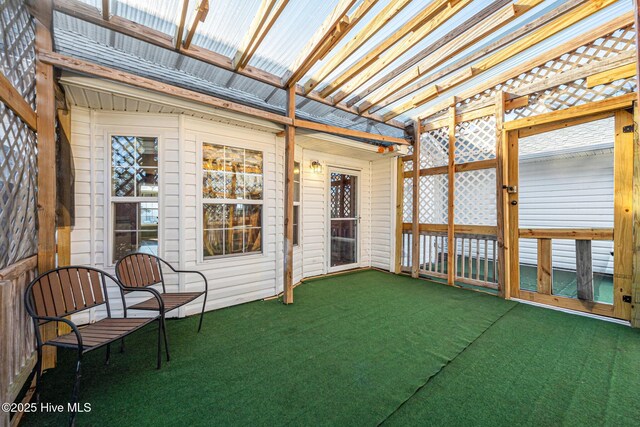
x=16 y=331
x=475 y=253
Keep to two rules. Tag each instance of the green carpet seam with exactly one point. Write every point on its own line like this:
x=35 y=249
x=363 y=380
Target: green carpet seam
x=417 y=390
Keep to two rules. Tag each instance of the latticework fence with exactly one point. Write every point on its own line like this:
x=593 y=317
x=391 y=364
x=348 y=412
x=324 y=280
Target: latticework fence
x=18 y=237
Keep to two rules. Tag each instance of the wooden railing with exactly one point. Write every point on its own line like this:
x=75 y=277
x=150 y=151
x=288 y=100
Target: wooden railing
x=17 y=348
x=475 y=255
x=584 y=264
x=477 y=259
x=584 y=268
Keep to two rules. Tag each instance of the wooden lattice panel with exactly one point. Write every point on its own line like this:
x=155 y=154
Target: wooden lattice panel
x=569 y=95
x=433 y=198
x=18 y=237
x=434 y=148
x=476 y=140
x=17 y=48
x=475 y=197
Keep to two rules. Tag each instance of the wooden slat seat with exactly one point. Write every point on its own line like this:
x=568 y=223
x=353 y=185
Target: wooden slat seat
x=57 y=294
x=141 y=272
x=101 y=332
x=171 y=301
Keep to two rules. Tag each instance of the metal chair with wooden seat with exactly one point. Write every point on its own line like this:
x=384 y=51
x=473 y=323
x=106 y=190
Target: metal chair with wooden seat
x=141 y=270
x=64 y=291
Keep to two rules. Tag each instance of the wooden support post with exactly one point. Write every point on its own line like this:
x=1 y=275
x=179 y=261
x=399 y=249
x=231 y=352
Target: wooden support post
x=290 y=142
x=623 y=218
x=512 y=234
x=415 y=229
x=545 y=267
x=501 y=178
x=635 y=310
x=584 y=270
x=451 y=237
x=399 y=214
x=46 y=122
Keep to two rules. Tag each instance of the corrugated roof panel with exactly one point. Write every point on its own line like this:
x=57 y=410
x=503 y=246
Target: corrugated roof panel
x=290 y=34
x=226 y=25
x=161 y=15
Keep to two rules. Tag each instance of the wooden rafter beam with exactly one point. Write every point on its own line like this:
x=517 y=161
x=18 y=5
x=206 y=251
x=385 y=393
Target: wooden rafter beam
x=456 y=32
x=201 y=14
x=472 y=57
x=180 y=29
x=66 y=62
x=12 y=99
x=464 y=75
x=549 y=55
x=335 y=27
x=69 y=63
x=414 y=24
x=382 y=61
x=369 y=30
x=305 y=124
x=267 y=15
x=88 y=13
x=465 y=36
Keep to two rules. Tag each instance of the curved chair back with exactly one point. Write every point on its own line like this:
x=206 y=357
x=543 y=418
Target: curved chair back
x=139 y=270
x=66 y=290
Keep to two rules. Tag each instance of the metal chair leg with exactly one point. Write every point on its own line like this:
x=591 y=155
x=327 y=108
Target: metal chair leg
x=76 y=391
x=204 y=304
x=166 y=341
x=159 y=342
x=38 y=374
x=106 y=362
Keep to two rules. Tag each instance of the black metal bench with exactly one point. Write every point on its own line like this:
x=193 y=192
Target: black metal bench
x=68 y=290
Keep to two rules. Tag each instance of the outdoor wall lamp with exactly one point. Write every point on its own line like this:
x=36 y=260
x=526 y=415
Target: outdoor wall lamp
x=316 y=167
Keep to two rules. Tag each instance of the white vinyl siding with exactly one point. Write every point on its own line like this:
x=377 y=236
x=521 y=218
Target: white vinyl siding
x=232 y=280
x=568 y=189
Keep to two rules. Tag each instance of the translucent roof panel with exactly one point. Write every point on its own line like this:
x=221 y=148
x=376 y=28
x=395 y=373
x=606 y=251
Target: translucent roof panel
x=290 y=34
x=161 y=15
x=226 y=25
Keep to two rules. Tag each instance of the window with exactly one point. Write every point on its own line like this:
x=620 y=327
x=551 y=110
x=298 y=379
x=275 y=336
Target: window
x=134 y=195
x=232 y=194
x=296 y=203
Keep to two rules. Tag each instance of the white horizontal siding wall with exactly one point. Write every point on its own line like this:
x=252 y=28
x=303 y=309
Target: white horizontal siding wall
x=235 y=279
x=383 y=183
x=90 y=236
x=315 y=210
x=567 y=193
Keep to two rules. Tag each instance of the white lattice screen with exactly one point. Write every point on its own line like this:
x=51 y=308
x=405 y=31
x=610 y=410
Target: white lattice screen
x=475 y=197
x=434 y=194
x=476 y=140
x=434 y=148
x=407 y=205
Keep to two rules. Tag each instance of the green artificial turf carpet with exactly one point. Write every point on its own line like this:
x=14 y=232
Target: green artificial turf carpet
x=363 y=349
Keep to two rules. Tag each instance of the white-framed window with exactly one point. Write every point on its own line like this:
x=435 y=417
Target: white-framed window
x=232 y=200
x=134 y=195
x=296 y=203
